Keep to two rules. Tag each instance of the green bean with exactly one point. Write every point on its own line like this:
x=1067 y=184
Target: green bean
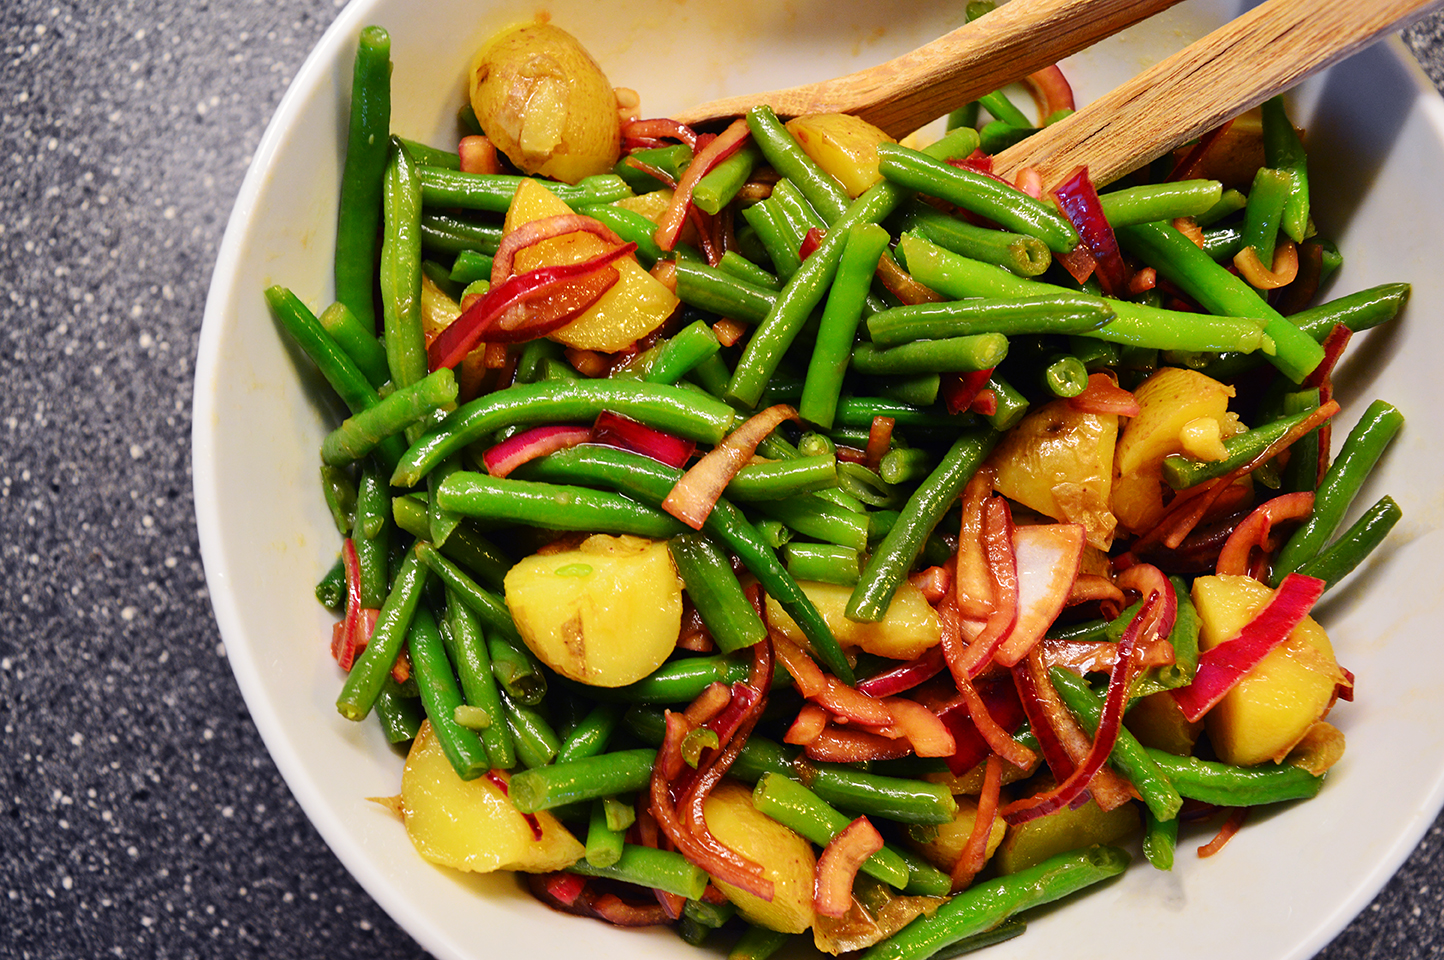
x=1128 y=756
x=672 y=160
x=804 y=812
x=492 y=193
x=716 y=592
x=715 y=291
x=331 y=589
x=981 y=351
x=720 y=184
x=812 y=516
x=999 y=135
x=589 y=737
x=1231 y=202
x=516 y=669
x=795 y=209
x=924 y=879
x=1160 y=201
x=893 y=557
x=700 y=918
x=552 y=506
x=400 y=716
x=1222 y=243
x=859 y=412
x=1009 y=208
x=1218 y=783
x=649 y=867
x=1012 y=405
x=758 y=943
x=457 y=233
x=687 y=413
x=735 y=265
x=1065 y=377
x=440 y=522
x=822 y=563
x=1012 y=316
x=1342 y=482
x=432 y=156
x=1355 y=544
x=863 y=246
x=604 y=845
x=1301 y=473
x=905 y=465
x=372 y=537
x=984 y=906
x=359 y=210
x=468 y=650
x=1002 y=933
x=781 y=479
x=1133 y=324
x=917 y=390
x=401 y=270
x=679 y=681
x=1264 y=211
x=1176 y=257
x=471 y=266
x=373 y=666
x=631 y=226
x=1017 y=252
x=360 y=433
x=1183 y=472
x=466 y=546
x=786 y=156
x=865 y=485
x=1184 y=640
x=487 y=605
x=441 y=696
x=357 y=341
x=605 y=775
x=340 y=494
x=651 y=481
x=775 y=234
x=1159 y=839
x=683 y=352
x=998 y=104
x=532 y=735
x=1284 y=151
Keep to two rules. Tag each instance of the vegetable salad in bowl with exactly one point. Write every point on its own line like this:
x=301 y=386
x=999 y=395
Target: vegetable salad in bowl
x=779 y=531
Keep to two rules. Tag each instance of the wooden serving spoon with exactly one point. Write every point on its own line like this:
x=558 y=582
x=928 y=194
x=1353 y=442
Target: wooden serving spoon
x=1238 y=66
x=909 y=91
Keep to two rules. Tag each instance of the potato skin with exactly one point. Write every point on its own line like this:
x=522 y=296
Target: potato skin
x=545 y=103
x=605 y=614
x=786 y=859
x=843 y=145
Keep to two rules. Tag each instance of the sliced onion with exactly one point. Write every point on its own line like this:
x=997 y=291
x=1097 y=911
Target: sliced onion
x=811 y=721
x=1000 y=699
x=1280 y=273
x=614 y=430
x=1105 y=397
x=921 y=727
x=1099 y=656
x=1145 y=579
x=669 y=225
x=699 y=489
x=1186 y=169
x=966 y=663
x=1047 y=559
x=998 y=739
x=1046 y=715
x=1222 y=667
x=614 y=909
x=879 y=438
x=1078 y=201
x=974 y=855
x=847 y=745
x=902 y=285
x=1051 y=91
x=501 y=459
x=478 y=155
x=543 y=228
x=961 y=390
x=660 y=129
x=972 y=581
x=837 y=866
x=1236 y=818
x=1091 y=587
x=905 y=675
x=1233 y=559
x=807 y=676
x=1333 y=345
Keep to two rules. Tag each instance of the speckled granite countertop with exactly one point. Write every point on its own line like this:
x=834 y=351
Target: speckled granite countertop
x=139 y=813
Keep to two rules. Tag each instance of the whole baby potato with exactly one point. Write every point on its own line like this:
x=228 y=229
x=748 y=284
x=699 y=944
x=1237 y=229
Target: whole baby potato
x=543 y=101
x=605 y=614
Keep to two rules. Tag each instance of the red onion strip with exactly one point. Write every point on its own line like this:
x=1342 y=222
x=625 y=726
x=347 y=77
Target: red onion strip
x=1105 y=397
x=614 y=430
x=694 y=496
x=501 y=459
x=658 y=129
x=1233 y=559
x=974 y=855
x=837 y=866
x=543 y=228
x=1078 y=201
x=669 y=225
x=905 y=676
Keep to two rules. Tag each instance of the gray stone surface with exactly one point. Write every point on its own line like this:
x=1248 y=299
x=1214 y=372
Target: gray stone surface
x=139 y=813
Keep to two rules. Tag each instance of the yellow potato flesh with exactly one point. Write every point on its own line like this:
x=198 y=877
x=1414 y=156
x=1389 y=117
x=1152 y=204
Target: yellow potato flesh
x=1035 y=841
x=1059 y=462
x=843 y=145
x=1277 y=702
x=470 y=824
x=543 y=101
x=786 y=859
x=909 y=628
x=605 y=614
x=636 y=304
x=947 y=845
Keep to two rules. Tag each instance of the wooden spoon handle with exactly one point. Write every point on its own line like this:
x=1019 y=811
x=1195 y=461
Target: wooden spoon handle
x=906 y=92
x=1238 y=66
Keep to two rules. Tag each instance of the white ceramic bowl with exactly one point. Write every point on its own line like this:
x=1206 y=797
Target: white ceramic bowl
x=1282 y=889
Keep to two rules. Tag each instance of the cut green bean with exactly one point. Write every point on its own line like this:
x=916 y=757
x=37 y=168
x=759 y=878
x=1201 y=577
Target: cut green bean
x=401 y=270
x=804 y=812
x=736 y=265
x=432 y=156
x=552 y=506
x=359 y=342
x=470 y=267
x=457 y=233
x=716 y=593
x=493 y=192
x=369 y=672
x=1004 y=205
x=488 y=606
x=604 y=845
x=1017 y=252
x=1226 y=786
x=1284 y=151
x=1355 y=544
x=631 y=226
x=1160 y=201
x=1231 y=202
x=1065 y=377
x=986 y=905
x=466 y=546
x=863 y=246
x=362 y=432
x=1013 y=316
x=812 y=516
x=997 y=103
x=683 y=352
x=516 y=670
x=905 y=465
x=532 y=735
x=1361 y=450
x=982 y=351
x=1262 y=216
x=1159 y=839
x=606 y=775
x=1183 y=472
x=331 y=589
x=785 y=155
x=649 y=867
x=467 y=647
x=720 y=184
x=781 y=479
x=400 y=716
x=359 y=209
x=775 y=234
x=758 y=943
x=716 y=291
x=1128 y=756
x=672 y=160
x=441 y=697
x=892 y=559
x=372 y=537
x=340 y=494
x=589 y=737
x=822 y=563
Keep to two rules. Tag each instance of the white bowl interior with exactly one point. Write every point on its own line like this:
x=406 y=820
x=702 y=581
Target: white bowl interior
x=1282 y=889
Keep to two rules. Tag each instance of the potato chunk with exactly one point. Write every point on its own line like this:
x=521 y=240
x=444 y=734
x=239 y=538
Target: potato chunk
x=1033 y=842
x=470 y=824
x=543 y=101
x=636 y=304
x=606 y=614
x=1059 y=462
x=1277 y=702
x=947 y=845
x=843 y=145
x=786 y=859
x=908 y=629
